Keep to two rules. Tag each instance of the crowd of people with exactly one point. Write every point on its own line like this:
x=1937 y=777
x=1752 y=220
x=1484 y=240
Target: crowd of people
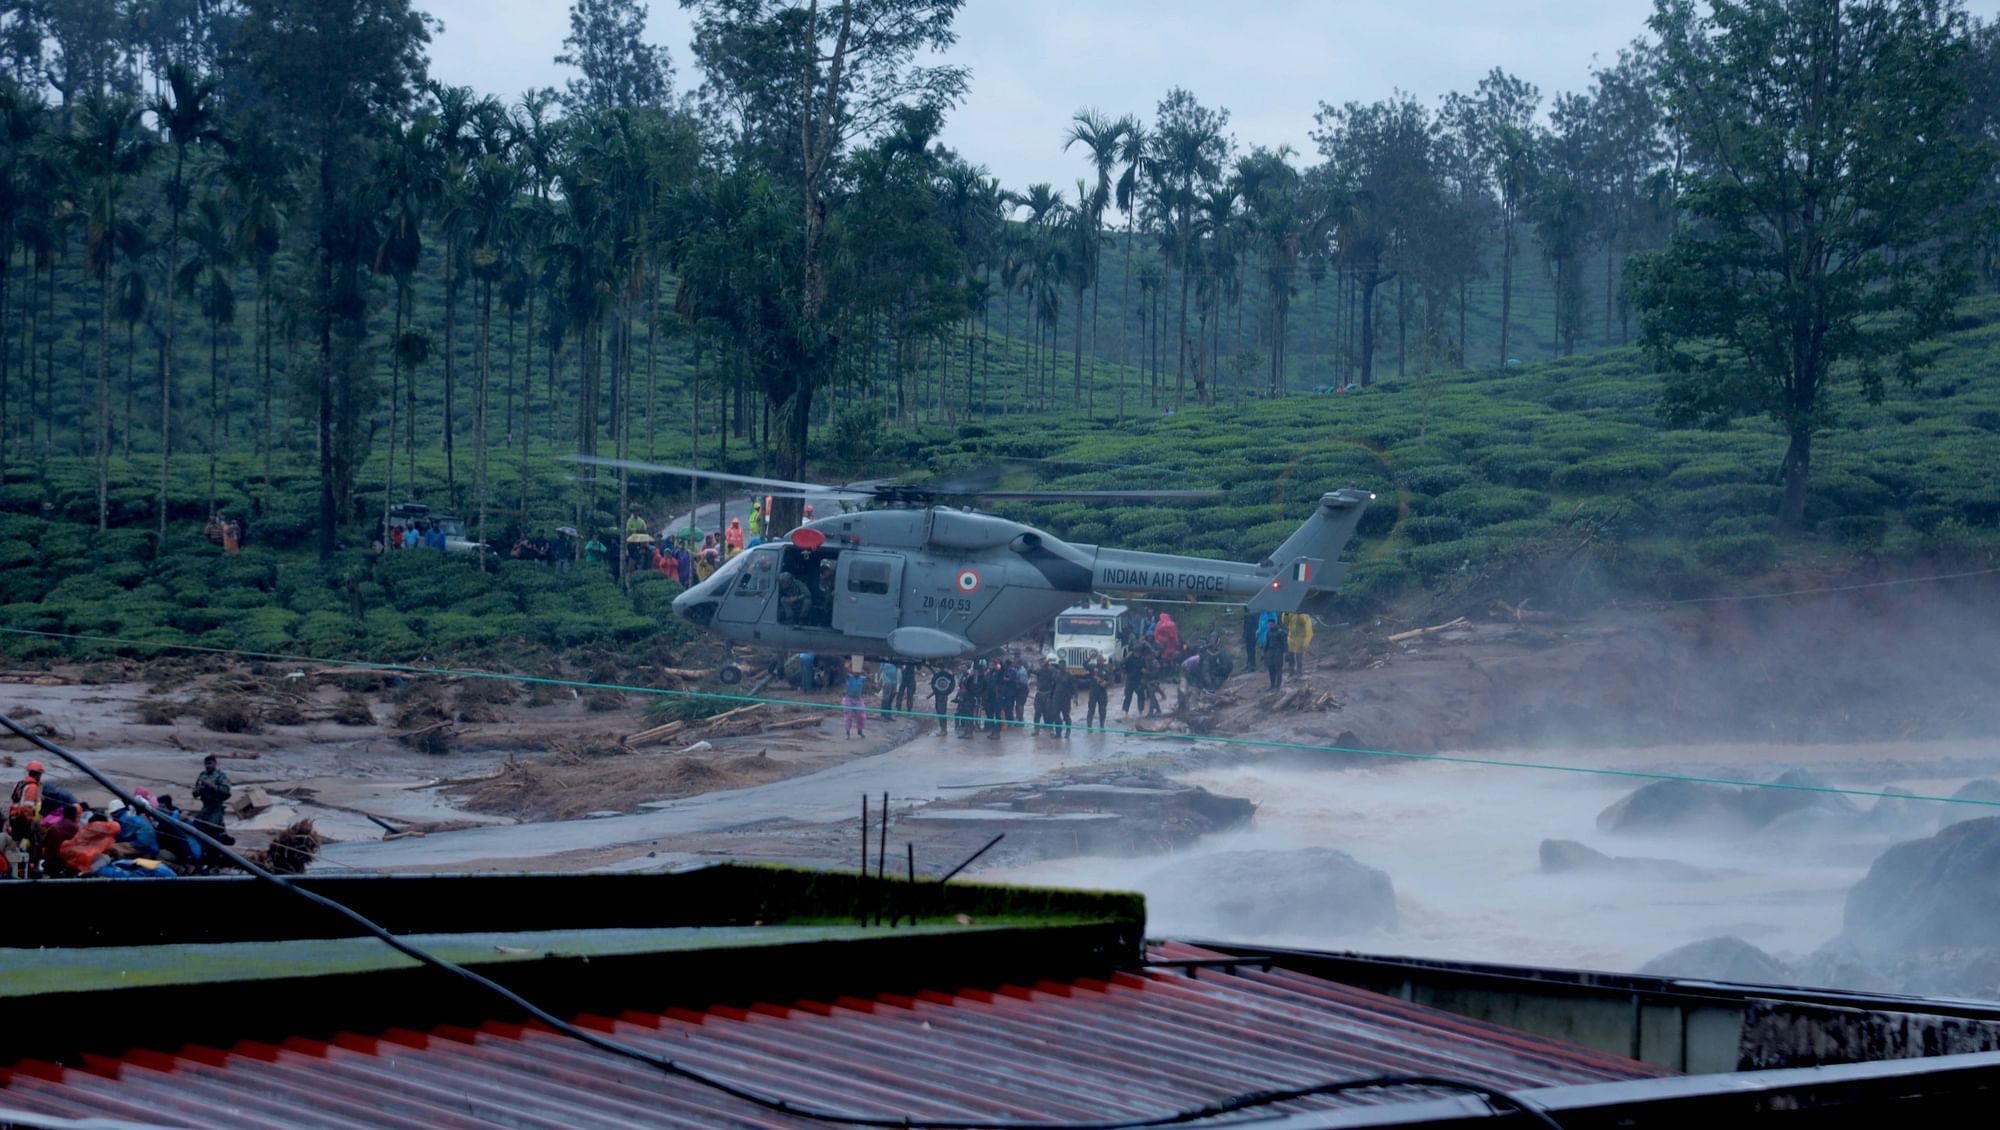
x=50 y=833
x=989 y=696
x=227 y=532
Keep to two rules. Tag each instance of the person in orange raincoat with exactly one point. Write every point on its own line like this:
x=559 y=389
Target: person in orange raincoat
x=733 y=537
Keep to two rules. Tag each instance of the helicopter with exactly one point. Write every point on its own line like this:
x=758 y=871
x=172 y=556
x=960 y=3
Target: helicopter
x=917 y=581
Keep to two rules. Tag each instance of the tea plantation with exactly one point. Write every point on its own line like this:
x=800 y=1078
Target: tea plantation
x=1554 y=482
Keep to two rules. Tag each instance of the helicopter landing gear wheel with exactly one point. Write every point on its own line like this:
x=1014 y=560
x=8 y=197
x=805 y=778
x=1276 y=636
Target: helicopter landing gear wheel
x=730 y=675
x=942 y=683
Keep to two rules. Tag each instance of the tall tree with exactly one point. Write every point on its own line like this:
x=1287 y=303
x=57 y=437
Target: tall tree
x=21 y=132
x=1825 y=189
x=606 y=43
x=824 y=79
x=1566 y=204
x=186 y=114
x=1189 y=150
x=1130 y=192
x=206 y=275
x=110 y=146
x=1382 y=181
x=1498 y=120
x=257 y=182
x=1102 y=138
x=493 y=197
x=331 y=67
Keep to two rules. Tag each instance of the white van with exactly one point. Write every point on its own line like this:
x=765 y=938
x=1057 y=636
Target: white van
x=1091 y=629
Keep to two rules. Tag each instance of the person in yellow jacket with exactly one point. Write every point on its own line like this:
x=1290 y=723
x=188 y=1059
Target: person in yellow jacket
x=1298 y=637
x=756 y=519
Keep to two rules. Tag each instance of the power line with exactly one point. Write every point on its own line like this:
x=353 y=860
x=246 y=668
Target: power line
x=1220 y=739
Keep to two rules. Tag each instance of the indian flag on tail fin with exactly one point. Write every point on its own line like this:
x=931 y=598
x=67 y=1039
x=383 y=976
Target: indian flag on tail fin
x=1302 y=571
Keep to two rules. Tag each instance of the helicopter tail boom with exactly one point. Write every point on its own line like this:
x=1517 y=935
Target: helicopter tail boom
x=1306 y=570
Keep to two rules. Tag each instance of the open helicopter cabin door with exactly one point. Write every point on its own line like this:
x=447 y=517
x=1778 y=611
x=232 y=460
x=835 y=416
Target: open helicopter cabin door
x=868 y=593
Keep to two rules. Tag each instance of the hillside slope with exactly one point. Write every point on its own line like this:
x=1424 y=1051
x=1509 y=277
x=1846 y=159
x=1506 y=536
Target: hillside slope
x=1554 y=482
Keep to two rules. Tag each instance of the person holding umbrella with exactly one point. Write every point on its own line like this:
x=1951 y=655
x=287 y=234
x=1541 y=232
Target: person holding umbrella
x=564 y=548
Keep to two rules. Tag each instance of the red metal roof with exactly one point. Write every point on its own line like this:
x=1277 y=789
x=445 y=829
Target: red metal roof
x=1139 y=1044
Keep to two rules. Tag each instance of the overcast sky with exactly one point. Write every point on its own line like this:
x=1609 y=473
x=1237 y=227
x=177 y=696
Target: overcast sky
x=1036 y=62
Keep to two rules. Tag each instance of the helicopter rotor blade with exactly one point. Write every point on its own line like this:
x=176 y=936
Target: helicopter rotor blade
x=783 y=487
x=1068 y=495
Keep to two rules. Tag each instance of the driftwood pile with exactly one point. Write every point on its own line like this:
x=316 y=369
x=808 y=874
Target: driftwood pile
x=755 y=718
x=1303 y=696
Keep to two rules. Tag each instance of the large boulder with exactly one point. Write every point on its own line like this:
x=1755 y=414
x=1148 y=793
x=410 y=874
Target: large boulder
x=1720 y=959
x=1903 y=818
x=1567 y=857
x=1675 y=807
x=1308 y=893
x=1936 y=893
x=1984 y=792
x=1696 y=807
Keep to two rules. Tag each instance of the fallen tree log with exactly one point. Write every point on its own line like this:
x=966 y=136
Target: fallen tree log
x=1419 y=633
x=657 y=733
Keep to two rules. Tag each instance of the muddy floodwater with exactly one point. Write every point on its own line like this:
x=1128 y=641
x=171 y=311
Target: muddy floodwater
x=1460 y=843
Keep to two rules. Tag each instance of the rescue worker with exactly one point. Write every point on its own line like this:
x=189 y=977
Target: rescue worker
x=890 y=674
x=940 y=701
x=1135 y=668
x=792 y=597
x=1017 y=686
x=1097 y=683
x=24 y=809
x=1274 y=654
x=24 y=813
x=1062 y=696
x=1250 y=622
x=212 y=789
x=732 y=537
x=905 y=698
x=1298 y=637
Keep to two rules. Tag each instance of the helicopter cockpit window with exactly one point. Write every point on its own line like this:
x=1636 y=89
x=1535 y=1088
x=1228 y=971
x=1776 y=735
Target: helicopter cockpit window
x=756 y=573
x=871 y=577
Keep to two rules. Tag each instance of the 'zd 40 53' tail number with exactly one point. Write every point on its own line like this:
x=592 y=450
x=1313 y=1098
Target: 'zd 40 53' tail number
x=947 y=603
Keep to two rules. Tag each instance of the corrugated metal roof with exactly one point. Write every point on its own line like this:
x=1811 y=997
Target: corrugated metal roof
x=1138 y=1044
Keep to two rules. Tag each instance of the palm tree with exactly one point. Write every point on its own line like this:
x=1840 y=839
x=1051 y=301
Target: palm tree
x=186 y=114
x=492 y=193
x=1132 y=155
x=1081 y=243
x=1045 y=207
x=258 y=188
x=1105 y=139
x=453 y=147
x=110 y=146
x=206 y=275
x=20 y=132
x=408 y=177
x=133 y=298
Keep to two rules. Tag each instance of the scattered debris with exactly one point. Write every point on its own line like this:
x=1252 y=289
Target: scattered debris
x=160 y=711
x=1304 y=696
x=290 y=850
x=354 y=711
x=230 y=714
